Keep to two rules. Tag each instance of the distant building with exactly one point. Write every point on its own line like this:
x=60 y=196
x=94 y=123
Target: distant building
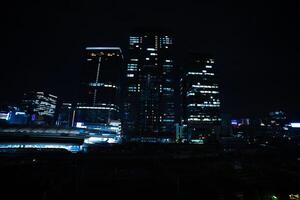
x=99 y=102
x=66 y=115
x=277 y=118
x=226 y=126
x=150 y=100
x=292 y=130
x=40 y=107
x=12 y=115
x=200 y=105
x=271 y=127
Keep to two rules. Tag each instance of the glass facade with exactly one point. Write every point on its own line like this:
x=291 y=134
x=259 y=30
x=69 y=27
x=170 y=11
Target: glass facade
x=149 y=107
x=199 y=90
x=99 y=100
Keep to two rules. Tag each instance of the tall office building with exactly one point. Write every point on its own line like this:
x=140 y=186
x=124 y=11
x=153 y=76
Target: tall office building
x=149 y=108
x=99 y=101
x=40 y=106
x=200 y=104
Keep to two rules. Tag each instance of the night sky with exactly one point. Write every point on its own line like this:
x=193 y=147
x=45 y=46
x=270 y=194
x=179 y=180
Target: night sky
x=256 y=45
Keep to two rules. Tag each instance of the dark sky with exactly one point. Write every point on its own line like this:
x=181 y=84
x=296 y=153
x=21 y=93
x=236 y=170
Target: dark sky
x=256 y=45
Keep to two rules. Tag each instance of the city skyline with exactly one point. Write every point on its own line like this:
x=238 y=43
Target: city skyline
x=168 y=99
x=253 y=46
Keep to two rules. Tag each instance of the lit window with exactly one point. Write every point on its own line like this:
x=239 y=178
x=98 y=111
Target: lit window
x=134 y=40
x=194 y=73
x=150 y=49
x=132 y=89
x=210 y=74
x=132 y=67
x=130 y=75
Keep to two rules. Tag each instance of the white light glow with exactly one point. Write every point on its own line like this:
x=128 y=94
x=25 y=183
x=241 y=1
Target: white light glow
x=150 y=49
x=194 y=73
x=20 y=113
x=4 y=116
x=80 y=125
x=96 y=108
x=97 y=140
x=69 y=147
x=295 y=125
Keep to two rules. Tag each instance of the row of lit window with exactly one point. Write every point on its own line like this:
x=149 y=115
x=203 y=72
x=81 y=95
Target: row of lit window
x=194 y=73
x=202 y=92
x=132 y=67
x=203 y=105
x=204 y=119
x=151 y=49
x=166 y=40
x=209 y=74
x=204 y=86
x=211 y=102
x=97 y=108
x=201 y=116
x=102 y=85
x=210 y=61
x=132 y=89
x=167 y=89
x=208 y=92
x=200 y=73
x=134 y=40
x=102 y=54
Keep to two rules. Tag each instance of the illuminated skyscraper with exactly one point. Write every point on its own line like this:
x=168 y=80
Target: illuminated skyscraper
x=149 y=108
x=199 y=90
x=99 y=101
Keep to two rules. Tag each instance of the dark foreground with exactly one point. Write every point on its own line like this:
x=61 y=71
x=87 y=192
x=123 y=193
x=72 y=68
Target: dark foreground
x=155 y=171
